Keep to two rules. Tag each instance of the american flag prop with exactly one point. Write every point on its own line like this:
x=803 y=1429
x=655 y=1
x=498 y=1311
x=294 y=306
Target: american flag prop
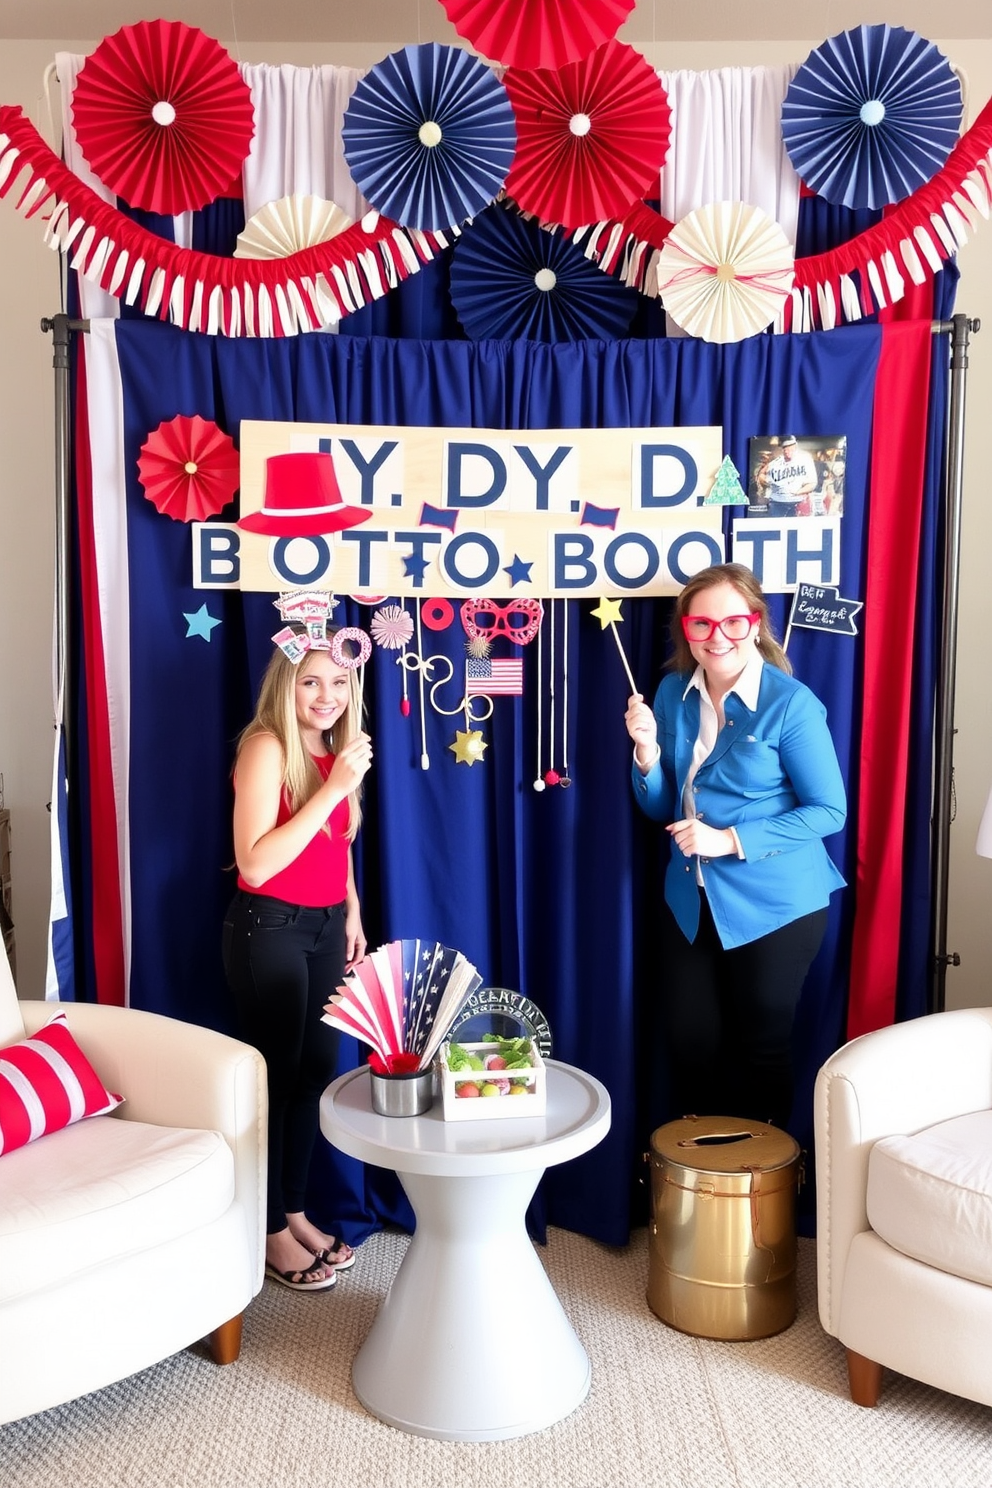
x=494 y=676
x=403 y=998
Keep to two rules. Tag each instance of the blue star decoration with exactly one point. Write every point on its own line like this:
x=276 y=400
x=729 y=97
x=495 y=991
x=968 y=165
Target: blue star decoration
x=200 y=623
x=414 y=567
x=519 y=571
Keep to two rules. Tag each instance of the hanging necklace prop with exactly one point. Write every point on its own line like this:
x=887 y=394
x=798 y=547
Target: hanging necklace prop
x=564 y=780
x=468 y=747
x=539 y=778
x=437 y=614
x=425 y=759
x=392 y=628
x=551 y=775
x=467 y=704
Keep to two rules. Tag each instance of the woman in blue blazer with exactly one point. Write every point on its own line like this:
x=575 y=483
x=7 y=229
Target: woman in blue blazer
x=737 y=760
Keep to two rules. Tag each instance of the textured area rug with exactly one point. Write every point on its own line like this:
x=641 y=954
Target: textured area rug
x=664 y=1409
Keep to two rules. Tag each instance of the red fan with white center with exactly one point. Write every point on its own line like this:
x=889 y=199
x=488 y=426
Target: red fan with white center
x=163 y=116
x=189 y=469
x=537 y=33
x=591 y=138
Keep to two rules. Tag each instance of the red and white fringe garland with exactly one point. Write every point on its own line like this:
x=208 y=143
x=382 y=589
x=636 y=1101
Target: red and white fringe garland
x=318 y=286
x=916 y=236
x=306 y=291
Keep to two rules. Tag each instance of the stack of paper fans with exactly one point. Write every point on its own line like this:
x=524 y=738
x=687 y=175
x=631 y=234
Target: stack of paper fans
x=401 y=1000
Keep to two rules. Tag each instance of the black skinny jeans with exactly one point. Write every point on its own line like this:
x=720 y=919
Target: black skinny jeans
x=728 y=1016
x=283 y=962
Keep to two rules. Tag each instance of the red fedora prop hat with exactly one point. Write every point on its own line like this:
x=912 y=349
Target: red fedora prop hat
x=302 y=499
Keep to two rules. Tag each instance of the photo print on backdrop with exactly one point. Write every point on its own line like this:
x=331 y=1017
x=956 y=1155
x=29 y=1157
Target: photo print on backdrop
x=796 y=476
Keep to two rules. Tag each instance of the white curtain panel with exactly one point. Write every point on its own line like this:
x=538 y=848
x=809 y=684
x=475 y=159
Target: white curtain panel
x=727 y=143
x=297 y=150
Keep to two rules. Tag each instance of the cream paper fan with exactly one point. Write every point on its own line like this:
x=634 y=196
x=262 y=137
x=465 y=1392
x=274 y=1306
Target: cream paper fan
x=285 y=226
x=724 y=271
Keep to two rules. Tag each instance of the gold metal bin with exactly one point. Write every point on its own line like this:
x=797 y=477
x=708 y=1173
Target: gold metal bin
x=722 y=1255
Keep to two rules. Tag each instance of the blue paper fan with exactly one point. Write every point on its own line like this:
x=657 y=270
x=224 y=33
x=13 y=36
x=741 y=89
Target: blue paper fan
x=429 y=135
x=871 y=115
x=510 y=279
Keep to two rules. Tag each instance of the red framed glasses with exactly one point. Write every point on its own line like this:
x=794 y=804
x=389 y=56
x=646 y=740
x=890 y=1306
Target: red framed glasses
x=698 y=628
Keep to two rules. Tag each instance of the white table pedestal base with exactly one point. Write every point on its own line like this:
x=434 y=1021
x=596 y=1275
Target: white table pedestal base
x=471 y=1343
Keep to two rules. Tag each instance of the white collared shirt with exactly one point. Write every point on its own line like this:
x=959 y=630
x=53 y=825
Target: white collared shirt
x=747 y=687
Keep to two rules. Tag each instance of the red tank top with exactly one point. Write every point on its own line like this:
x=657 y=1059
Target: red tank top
x=319 y=876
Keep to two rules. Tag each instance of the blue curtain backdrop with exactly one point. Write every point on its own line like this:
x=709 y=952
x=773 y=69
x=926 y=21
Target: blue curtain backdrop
x=553 y=894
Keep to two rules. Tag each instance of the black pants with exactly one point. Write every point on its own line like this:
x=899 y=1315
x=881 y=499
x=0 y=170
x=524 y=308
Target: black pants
x=728 y=1016
x=283 y=961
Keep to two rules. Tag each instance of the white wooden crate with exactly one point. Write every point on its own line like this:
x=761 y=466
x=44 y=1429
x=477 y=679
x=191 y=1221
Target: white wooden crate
x=533 y=1102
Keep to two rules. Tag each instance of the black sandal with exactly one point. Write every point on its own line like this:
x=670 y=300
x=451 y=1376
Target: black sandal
x=294 y=1279
x=327 y=1257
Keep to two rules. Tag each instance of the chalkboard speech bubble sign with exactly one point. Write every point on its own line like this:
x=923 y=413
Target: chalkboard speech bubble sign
x=816 y=607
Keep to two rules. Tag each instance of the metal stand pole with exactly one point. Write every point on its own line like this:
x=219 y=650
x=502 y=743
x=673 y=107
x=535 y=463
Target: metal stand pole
x=60 y=327
x=960 y=328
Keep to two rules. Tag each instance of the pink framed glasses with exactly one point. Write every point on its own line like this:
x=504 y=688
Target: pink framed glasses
x=698 y=628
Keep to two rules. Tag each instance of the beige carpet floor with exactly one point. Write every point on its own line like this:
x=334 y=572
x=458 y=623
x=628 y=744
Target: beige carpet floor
x=664 y=1411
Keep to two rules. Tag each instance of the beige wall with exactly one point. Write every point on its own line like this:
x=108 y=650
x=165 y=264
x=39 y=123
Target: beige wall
x=29 y=289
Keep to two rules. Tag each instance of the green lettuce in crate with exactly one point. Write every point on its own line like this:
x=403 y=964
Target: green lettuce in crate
x=461 y=1059
x=515 y=1051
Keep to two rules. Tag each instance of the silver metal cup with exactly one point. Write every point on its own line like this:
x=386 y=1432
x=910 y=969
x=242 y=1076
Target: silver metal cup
x=402 y=1095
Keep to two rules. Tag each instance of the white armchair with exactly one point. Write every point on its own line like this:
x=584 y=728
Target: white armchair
x=903 y=1124
x=126 y=1237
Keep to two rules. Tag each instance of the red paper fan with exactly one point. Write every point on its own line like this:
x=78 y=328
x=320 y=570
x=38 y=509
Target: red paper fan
x=591 y=139
x=189 y=469
x=537 y=33
x=163 y=116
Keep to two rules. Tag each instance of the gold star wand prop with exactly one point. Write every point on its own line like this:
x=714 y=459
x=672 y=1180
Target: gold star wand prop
x=607 y=612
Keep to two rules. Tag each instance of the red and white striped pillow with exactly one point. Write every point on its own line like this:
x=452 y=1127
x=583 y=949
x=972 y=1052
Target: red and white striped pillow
x=47 y=1083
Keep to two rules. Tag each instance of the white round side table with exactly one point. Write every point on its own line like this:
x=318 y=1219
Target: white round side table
x=471 y=1343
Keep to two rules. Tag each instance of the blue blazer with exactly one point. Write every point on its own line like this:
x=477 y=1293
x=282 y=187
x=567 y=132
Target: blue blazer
x=773 y=775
